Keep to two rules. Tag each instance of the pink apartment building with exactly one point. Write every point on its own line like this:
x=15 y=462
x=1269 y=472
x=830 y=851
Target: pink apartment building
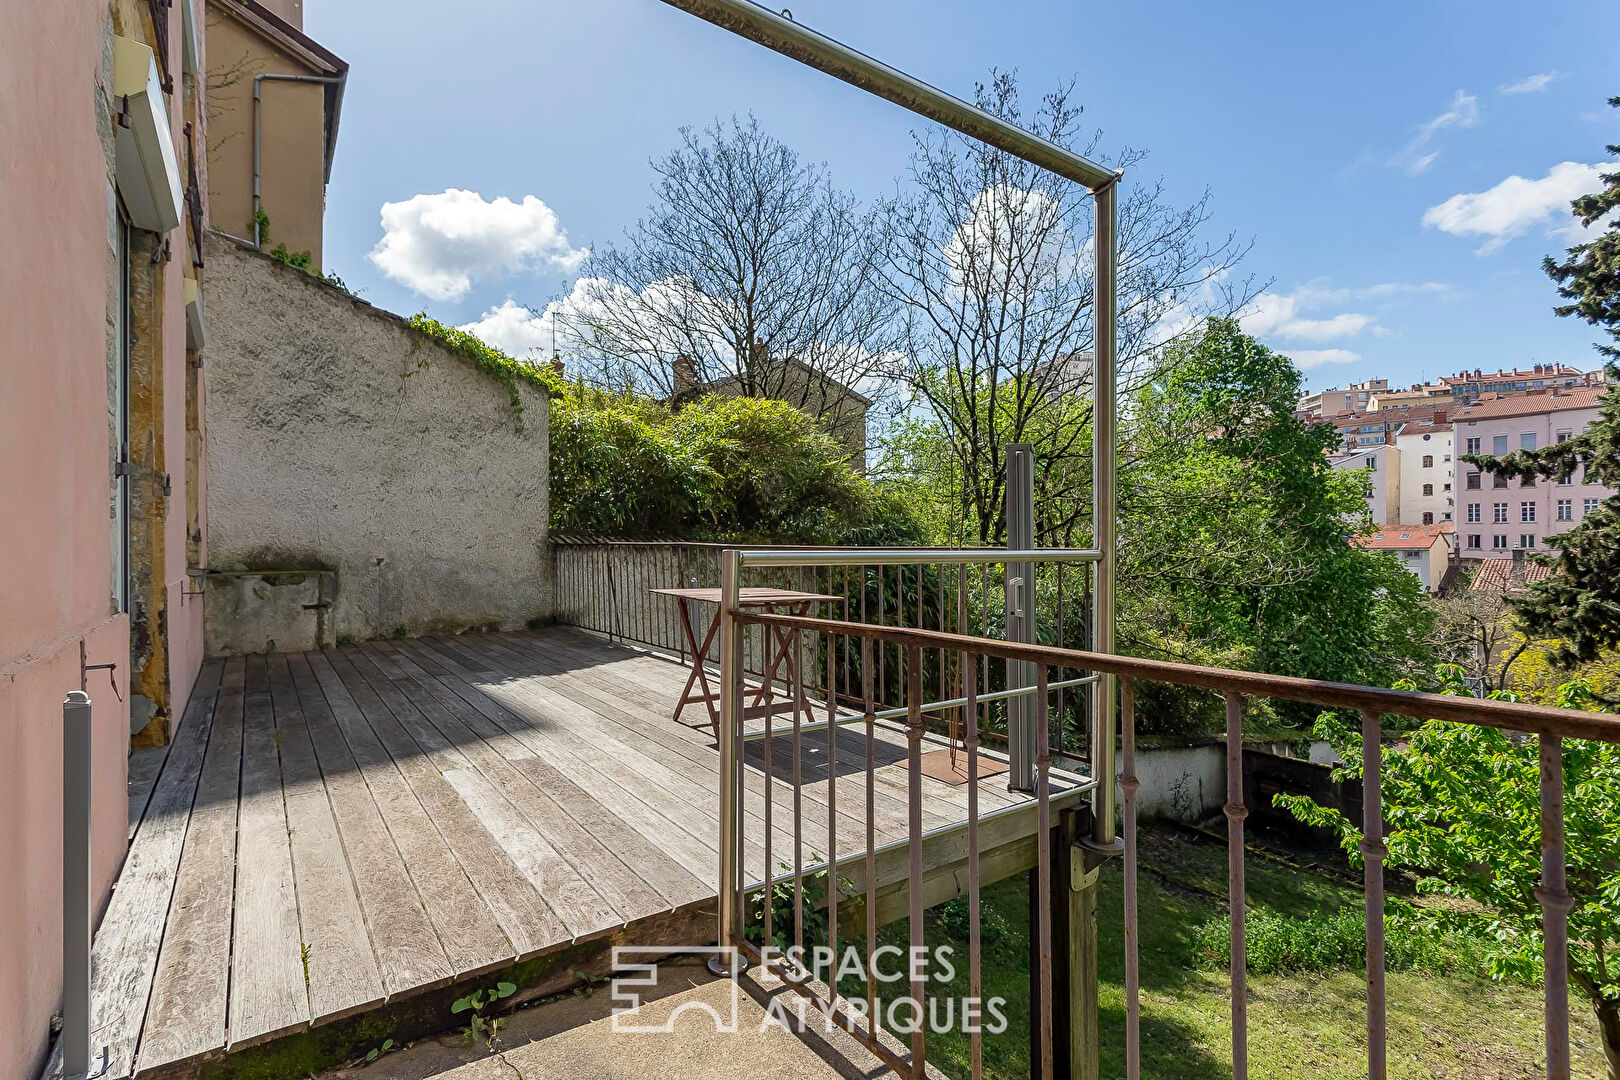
x=1496 y=515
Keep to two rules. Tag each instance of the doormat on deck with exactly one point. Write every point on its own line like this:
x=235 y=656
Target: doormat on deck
x=937 y=764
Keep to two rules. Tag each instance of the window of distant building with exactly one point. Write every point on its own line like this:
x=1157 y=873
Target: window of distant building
x=1473 y=513
x=1473 y=481
x=1428 y=459
x=1527 y=481
x=1499 y=541
x=1566 y=509
x=1471 y=446
x=1499 y=445
x=1428 y=489
x=1499 y=513
x=1562 y=436
x=1498 y=480
x=1565 y=479
x=1527 y=441
x=1527 y=511
x=1589 y=505
x=1527 y=540
x=1372 y=464
x=1473 y=540
x=1428 y=518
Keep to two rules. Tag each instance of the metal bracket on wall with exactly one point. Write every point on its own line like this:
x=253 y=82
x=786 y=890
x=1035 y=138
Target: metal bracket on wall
x=86 y=667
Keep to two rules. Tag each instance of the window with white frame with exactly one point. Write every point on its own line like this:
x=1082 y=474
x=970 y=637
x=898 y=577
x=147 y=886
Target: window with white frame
x=1428 y=489
x=1473 y=513
x=1527 y=511
x=1566 y=509
x=1499 y=513
x=1473 y=540
x=1499 y=541
x=1562 y=436
x=1471 y=446
x=1499 y=445
x=1589 y=505
x=1527 y=540
x=1428 y=461
x=1527 y=440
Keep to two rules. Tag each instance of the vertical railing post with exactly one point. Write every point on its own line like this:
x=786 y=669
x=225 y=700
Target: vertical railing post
x=1019 y=614
x=76 y=899
x=1129 y=785
x=1372 y=869
x=1236 y=811
x=1103 y=491
x=1555 y=904
x=731 y=722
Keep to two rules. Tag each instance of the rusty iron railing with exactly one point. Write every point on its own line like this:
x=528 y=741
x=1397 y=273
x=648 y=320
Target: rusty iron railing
x=1550 y=726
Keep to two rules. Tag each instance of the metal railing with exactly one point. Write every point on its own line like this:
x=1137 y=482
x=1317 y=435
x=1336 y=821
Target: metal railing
x=604 y=586
x=1550 y=726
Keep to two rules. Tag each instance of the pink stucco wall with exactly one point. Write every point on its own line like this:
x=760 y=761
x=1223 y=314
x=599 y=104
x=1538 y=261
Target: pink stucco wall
x=55 y=535
x=1544 y=497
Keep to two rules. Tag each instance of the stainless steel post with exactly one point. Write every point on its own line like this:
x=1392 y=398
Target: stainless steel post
x=1019 y=586
x=1104 y=513
x=731 y=721
x=76 y=898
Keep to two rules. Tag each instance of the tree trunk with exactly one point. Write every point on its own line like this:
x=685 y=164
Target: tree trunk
x=1608 y=1017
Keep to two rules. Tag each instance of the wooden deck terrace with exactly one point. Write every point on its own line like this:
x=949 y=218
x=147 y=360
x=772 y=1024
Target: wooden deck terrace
x=338 y=843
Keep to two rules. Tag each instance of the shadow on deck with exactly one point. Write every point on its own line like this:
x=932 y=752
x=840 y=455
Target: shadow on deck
x=340 y=843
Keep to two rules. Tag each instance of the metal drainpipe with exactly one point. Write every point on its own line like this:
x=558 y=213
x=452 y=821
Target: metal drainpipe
x=258 y=107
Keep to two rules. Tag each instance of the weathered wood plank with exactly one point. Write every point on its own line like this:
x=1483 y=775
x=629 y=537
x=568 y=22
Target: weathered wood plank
x=651 y=863
x=471 y=936
x=186 y=1014
x=493 y=751
x=518 y=908
x=268 y=991
x=499 y=808
x=125 y=954
x=339 y=959
x=593 y=770
x=408 y=948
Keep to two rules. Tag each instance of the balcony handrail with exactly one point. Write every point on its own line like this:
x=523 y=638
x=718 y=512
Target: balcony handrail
x=1485 y=712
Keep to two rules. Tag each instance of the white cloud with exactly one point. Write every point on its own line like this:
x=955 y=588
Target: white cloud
x=1315 y=358
x=1530 y=84
x=437 y=245
x=1284 y=316
x=1017 y=226
x=515 y=330
x=1516 y=205
x=1417 y=155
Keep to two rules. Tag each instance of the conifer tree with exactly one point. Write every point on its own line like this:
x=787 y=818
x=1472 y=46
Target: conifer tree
x=1579 y=605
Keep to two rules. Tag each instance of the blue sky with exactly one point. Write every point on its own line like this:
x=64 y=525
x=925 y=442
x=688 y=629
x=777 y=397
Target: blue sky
x=1370 y=150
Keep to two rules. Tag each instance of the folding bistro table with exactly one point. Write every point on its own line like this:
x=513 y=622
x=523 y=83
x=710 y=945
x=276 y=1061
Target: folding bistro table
x=779 y=640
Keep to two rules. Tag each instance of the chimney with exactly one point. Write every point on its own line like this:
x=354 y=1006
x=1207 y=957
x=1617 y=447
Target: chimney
x=1439 y=416
x=685 y=375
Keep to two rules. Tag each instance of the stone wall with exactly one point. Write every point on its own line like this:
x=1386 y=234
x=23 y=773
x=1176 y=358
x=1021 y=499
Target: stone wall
x=342 y=440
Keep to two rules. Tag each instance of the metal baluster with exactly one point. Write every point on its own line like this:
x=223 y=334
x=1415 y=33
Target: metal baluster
x=832 y=822
x=871 y=821
x=770 y=784
x=794 y=666
x=970 y=690
x=1063 y=716
x=1236 y=811
x=731 y=711
x=1372 y=854
x=1555 y=904
x=914 y=831
x=1043 y=873
x=1129 y=785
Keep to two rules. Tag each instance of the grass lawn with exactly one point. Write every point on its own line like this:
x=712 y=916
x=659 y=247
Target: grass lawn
x=1305 y=1025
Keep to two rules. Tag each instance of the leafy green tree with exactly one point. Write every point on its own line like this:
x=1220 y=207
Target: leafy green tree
x=1462 y=813
x=1234 y=530
x=1580 y=604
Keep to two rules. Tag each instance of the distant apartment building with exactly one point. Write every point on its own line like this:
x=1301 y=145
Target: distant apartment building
x=1497 y=515
x=1468 y=386
x=1427 y=470
x=1416 y=394
x=1336 y=399
x=1424 y=550
x=1383 y=465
